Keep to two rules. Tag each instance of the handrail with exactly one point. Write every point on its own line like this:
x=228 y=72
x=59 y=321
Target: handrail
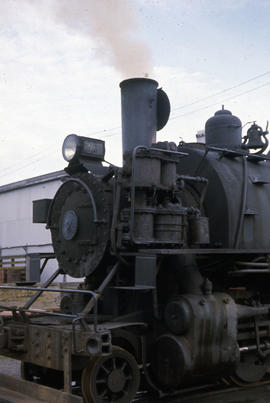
x=88 y=191
x=63 y=290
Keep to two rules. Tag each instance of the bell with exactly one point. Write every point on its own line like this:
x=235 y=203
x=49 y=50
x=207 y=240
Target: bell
x=253 y=139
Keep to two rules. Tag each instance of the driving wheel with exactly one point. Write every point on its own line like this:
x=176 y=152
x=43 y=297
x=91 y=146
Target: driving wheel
x=113 y=378
x=250 y=370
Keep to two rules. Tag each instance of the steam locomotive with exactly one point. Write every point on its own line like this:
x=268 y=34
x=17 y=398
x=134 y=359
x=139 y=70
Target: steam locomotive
x=174 y=249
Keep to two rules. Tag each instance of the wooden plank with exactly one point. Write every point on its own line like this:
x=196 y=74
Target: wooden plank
x=38 y=392
x=8 y=261
x=13 y=268
x=13 y=262
x=19 y=262
x=11 y=396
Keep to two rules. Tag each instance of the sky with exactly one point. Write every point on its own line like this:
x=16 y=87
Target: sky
x=61 y=62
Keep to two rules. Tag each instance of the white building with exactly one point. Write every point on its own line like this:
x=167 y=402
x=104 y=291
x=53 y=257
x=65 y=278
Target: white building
x=18 y=235
x=200 y=136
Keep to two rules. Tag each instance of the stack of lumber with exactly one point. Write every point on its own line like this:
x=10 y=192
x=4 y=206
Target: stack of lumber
x=12 y=268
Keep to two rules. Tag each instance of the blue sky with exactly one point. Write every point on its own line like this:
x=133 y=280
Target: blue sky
x=223 y=38
x=58 y=76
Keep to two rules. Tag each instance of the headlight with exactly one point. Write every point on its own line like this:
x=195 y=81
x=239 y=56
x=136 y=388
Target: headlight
x=70 y=147
x=83 y=148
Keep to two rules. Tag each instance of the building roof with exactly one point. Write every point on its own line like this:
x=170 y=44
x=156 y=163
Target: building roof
x=33 y=181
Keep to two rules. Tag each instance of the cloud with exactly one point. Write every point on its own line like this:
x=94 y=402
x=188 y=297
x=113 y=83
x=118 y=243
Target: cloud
x=53 y=83
x=198 y=5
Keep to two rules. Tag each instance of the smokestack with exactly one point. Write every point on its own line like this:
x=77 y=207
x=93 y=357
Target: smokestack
x=139 y=112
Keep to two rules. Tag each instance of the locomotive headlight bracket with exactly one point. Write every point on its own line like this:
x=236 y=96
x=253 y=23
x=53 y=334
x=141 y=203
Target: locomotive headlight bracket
x=78 y=147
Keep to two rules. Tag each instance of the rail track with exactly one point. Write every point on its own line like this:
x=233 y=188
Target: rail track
x=259 y=393
x=14 y=390
x=255 y=394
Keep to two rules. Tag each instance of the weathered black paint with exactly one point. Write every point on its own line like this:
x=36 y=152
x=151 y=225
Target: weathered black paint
x=166 y=289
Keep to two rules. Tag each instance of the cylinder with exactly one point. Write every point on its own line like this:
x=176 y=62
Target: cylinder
x=139 y=112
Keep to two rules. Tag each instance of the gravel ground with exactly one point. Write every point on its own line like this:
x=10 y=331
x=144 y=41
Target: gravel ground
x=10 y=367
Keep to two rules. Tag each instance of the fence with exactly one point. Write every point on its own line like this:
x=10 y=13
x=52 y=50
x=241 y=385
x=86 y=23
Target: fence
x=12 y=268
x=20 y=268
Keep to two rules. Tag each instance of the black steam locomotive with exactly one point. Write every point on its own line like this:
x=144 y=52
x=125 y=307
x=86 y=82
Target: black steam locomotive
x=174 y=248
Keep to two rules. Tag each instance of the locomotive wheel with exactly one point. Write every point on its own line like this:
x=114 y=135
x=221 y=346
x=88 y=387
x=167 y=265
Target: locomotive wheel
x=114 y=378
x=249 y=371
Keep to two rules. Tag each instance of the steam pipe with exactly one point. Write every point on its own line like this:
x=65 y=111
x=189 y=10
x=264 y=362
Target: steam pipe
x=253 y=264
x=264 y=346
x=244 y=311
x=243 y=205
